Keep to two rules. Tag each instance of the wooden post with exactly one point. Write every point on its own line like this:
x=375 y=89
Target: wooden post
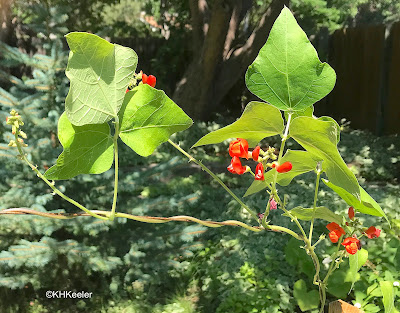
x=340 y=306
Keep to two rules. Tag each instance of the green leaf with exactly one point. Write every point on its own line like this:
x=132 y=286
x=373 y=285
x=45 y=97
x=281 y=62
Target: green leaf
x=388 y=296
x=306 y=300
x=296 y=256
x=287 y=72
x=323 y=213
x=330 y=119
x=302 y=162
x=356 y=261
x=148 y=118
x=366 y=205
x=256 y=186
x=99 y=73
x=307 y=112
x=87 y=150
x=259 y=120
x=320 y=139
x=337 y=284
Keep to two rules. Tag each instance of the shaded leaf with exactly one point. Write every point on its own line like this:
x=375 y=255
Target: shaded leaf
x=321 y=212
x=87 y=150
x=307 y=300
x=259 y=120
x=287 y=72
x=148 y=118
x=320 y=138
x=99 y=73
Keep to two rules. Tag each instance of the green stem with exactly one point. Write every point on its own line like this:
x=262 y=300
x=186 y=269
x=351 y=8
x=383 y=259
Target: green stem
x=115 y=140
x=334 y=265
x=192 y=159
x=270 y=227
x=51 y=185
x=314 y=205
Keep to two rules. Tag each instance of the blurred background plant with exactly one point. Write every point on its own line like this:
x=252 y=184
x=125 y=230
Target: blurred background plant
x=173 y=267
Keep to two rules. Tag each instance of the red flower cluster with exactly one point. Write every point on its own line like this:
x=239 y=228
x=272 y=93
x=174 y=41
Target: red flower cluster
x=239 y=148
x=352 y=244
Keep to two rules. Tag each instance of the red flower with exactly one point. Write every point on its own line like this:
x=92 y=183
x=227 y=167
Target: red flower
x=255 y=153
x=335 y=231
x=259 y=172
x=151 y=80
x=351 y=213
x=236 y=166
x=352 y=245
x=144 y=78
x=284 y=168
x=239 y=148
x=372 y=232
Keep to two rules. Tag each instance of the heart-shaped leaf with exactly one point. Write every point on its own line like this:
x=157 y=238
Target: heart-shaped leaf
x=323 y=213
x=259 y=120
x=307 y=300
x=287 y=72
x=302 y=162
x=99 y=73
x=366 y=204
x=320 y=139
x=148 y=118
x=88 y=149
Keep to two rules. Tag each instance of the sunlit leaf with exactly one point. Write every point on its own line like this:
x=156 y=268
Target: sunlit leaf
x=302 y=162
x=287 y=71
x=388 y=296
x=356 y=261
x=259 y=120
x=99 y=73
x=320 y=139
x=366 y=205
x=148 y=118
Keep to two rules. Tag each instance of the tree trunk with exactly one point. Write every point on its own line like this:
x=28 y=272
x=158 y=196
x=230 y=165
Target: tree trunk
x=5 y=19
x=217 y=63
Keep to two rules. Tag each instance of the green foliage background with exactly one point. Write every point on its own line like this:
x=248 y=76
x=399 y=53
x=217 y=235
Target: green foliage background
x=128 y=265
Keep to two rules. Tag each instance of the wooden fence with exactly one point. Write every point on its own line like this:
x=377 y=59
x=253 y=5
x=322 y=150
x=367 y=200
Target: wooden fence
x=367 y=91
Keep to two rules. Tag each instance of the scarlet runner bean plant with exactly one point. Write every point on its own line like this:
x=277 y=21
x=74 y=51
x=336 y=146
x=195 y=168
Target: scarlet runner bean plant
x=287 y=75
